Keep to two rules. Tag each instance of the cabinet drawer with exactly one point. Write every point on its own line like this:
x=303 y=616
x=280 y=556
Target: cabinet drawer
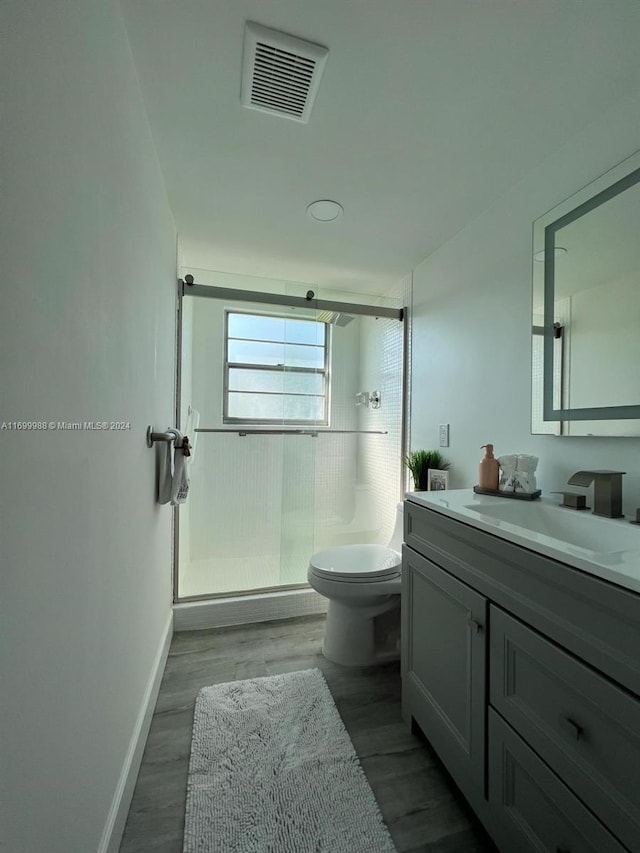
x=536 y=812
x=581 y=724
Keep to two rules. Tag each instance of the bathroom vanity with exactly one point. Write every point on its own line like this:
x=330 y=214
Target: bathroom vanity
x=521 y=665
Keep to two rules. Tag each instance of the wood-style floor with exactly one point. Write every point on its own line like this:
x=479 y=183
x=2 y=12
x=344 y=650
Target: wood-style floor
x=422 y=807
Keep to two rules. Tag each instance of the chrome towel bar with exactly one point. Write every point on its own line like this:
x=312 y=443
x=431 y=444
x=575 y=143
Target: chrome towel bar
x=168 y=436
x=314 y=433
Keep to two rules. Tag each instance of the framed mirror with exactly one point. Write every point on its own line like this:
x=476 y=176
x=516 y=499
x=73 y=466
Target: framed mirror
x=586 y=310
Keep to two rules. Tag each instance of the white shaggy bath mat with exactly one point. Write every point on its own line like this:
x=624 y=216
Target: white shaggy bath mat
x=273 y=770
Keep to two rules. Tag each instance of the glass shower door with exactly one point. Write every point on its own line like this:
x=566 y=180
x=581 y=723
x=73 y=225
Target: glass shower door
x=358 y=467
x=299 y=443
x=255 y=378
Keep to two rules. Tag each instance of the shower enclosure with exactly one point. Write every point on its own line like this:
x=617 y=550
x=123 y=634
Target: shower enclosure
x=293 y=401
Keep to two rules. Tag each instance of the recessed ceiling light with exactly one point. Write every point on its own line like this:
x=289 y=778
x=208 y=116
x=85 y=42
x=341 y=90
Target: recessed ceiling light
x=324 y=211
x=558 y=252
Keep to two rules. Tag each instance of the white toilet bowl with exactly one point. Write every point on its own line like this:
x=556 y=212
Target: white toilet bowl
x=361 y=582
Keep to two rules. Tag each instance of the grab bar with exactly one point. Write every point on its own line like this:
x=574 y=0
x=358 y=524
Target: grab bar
x=314 y=433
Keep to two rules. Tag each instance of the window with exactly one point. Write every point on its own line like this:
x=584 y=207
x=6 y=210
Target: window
x=276 y=370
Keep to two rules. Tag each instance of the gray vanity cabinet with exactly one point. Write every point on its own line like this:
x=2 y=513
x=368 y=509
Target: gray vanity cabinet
x=523 y=674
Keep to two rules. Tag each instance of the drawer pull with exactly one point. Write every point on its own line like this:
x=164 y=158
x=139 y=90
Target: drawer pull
x=562 y=850
x=476 y=627
x=571 y=728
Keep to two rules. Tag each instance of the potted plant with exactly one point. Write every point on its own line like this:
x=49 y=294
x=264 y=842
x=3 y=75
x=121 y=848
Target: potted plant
x=419 y=462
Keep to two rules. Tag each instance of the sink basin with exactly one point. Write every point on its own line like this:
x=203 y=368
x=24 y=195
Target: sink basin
x=575 y=527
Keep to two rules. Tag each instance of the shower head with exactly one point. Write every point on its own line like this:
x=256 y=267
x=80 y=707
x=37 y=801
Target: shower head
x=335 y=318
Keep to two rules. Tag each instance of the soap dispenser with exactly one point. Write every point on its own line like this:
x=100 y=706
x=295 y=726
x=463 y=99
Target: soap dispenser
x=489 y=472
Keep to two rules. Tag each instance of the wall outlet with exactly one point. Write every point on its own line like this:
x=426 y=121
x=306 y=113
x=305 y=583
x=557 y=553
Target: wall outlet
x=444 y=435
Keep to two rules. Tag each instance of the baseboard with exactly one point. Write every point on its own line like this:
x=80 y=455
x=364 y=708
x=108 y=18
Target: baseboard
x=114 y=828
x=244 y=609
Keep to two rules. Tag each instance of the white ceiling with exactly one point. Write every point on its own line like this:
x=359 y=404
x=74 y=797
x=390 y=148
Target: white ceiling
x=428 y=110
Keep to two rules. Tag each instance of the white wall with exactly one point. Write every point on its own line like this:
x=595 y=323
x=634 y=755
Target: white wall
x=472 y=317
x=86 y=334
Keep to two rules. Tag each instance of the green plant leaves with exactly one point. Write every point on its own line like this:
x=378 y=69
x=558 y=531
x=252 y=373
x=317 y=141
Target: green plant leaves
x=420 y=461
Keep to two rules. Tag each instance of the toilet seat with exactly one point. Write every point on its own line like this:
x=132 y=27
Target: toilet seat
x=353 y=563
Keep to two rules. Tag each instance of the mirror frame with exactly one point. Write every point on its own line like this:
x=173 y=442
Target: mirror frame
x=571 y=210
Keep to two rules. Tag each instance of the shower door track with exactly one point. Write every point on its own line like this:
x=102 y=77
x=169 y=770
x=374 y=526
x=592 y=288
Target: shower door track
x=309 y=301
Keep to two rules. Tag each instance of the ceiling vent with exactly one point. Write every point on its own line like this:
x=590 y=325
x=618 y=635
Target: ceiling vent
x=280 y=73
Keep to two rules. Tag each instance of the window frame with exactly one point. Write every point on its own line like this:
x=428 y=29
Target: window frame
x=324 y=372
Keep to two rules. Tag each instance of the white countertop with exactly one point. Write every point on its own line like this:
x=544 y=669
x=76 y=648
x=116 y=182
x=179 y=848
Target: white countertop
x=605 y=547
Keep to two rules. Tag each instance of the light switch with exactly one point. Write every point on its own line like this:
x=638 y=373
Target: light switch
x=444 y=435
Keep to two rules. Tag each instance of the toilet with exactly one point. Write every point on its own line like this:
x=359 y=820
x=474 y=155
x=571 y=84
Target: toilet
x=362 y=583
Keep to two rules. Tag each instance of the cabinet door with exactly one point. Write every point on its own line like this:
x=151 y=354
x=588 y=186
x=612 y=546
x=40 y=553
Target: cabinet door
x=444 y=650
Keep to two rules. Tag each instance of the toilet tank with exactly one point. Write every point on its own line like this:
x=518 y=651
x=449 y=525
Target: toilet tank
x=397 y=537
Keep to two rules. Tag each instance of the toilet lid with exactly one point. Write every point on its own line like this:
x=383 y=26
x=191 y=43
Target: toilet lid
x=351 y=562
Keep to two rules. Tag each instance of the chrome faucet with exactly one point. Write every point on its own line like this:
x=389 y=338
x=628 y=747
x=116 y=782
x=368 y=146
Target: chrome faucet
x=607 y=490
